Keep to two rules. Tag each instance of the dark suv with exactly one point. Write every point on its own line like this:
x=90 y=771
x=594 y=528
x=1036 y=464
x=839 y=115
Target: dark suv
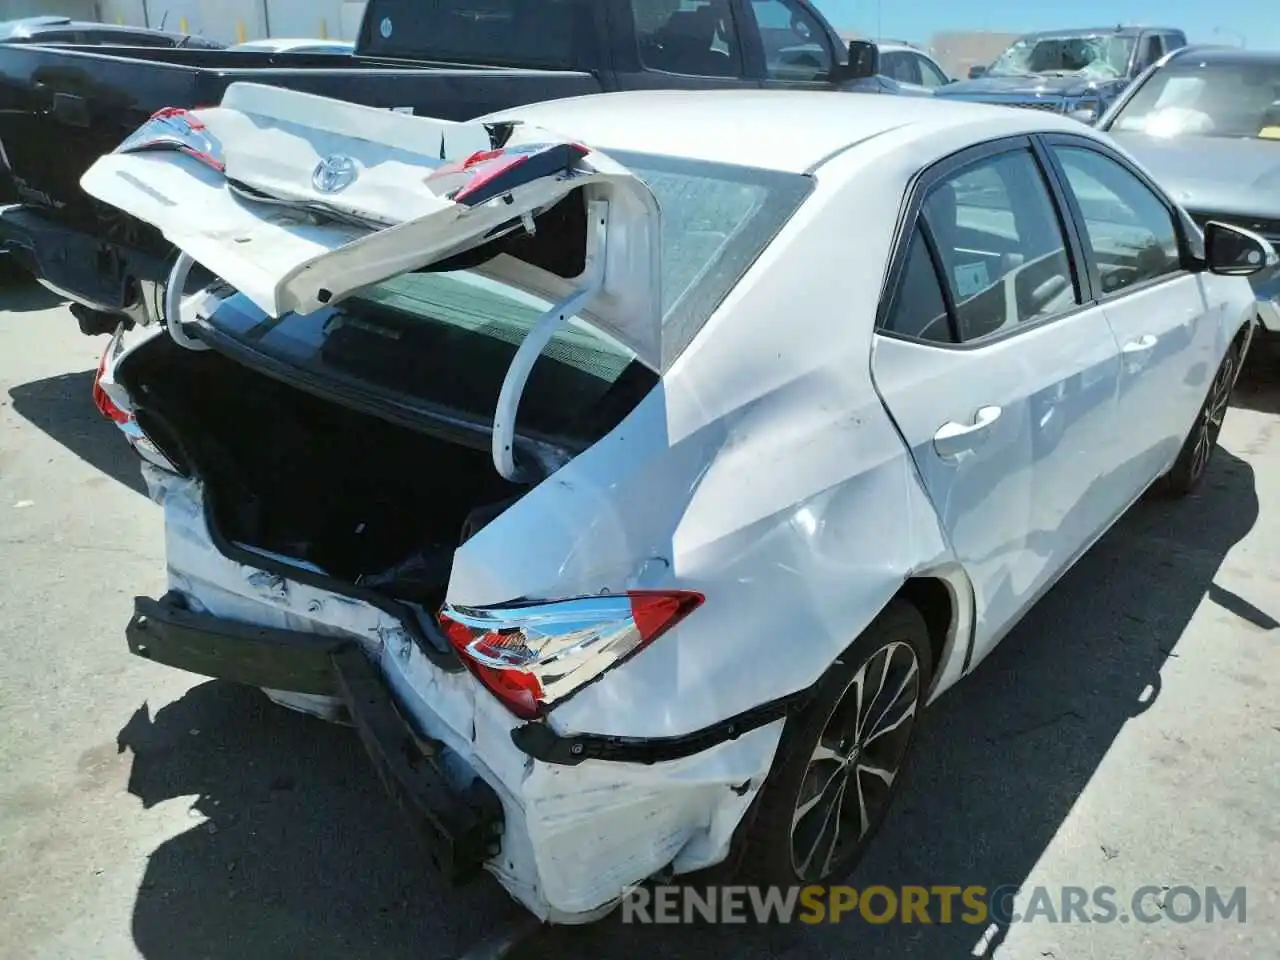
x=1078 y=72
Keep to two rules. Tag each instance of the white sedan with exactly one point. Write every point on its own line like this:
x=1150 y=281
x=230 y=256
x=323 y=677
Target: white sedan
x=828 y=391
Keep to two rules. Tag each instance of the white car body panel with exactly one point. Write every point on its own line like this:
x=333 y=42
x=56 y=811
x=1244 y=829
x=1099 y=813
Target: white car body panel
x=273 y=139
x=766 y=471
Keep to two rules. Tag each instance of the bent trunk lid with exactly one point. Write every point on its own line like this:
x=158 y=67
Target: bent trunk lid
x=298 y=201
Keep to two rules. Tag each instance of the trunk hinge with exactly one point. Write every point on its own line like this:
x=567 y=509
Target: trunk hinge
x=513 y=384
x=173 y=303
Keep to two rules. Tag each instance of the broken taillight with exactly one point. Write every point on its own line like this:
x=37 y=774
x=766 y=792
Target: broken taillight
x=175 y=128
x=101 y=399
x=532 y=655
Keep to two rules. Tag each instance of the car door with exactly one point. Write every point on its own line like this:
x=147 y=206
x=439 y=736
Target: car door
x=999 y=373
x=1156 y=308
x=690 y=45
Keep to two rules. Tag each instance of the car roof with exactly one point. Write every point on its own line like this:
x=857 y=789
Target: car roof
x=1217 y=54
x=727 y=126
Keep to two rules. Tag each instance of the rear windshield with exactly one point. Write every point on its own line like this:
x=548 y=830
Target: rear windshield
x=449 y=337
x=556 y=34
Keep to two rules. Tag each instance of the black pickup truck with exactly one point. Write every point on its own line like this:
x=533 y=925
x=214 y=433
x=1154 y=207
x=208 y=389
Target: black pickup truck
x=62 y=107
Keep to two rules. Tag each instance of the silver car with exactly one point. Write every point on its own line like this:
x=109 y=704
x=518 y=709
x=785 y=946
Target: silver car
x=1206 y=123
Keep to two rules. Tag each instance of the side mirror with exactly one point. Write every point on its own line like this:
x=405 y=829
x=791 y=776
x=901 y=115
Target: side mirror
x=864 y=61
x=976 y=71
x=1235 y=252
x=1086 y=115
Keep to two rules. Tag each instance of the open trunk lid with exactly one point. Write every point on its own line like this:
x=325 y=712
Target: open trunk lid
x=298 y=201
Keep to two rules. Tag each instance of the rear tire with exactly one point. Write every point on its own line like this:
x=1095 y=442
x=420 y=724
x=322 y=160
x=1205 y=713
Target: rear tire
x=840 y=760
x=1192 y=464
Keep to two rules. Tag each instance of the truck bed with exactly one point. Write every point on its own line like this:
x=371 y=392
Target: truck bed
x=62 y=107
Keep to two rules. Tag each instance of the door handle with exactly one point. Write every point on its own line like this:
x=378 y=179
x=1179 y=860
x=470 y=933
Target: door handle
x=954 y=439
x=1141 y=345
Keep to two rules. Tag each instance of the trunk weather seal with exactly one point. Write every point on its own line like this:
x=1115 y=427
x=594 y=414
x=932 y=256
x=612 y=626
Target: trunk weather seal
x=542 y=743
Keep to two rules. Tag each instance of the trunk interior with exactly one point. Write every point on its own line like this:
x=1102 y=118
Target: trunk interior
x=366 y=501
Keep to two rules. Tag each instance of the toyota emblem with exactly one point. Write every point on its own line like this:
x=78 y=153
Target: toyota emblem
x=333 y=174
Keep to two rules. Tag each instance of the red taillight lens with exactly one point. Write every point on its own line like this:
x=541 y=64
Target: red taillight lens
x=106 y=406
x=531 y=656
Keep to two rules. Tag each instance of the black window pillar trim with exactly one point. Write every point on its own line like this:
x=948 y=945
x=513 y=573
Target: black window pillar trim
x=540 y=742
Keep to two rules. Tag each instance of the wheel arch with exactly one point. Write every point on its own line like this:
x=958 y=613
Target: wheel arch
x=944 y=598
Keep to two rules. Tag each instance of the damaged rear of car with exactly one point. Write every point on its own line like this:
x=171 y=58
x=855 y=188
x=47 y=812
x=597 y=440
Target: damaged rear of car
x=357 y=520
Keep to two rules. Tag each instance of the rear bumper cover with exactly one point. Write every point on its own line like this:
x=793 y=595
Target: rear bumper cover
x=460 y=830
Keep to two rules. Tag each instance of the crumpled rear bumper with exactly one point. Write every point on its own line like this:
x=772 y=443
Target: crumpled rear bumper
x=572 y=838
x=460 y=827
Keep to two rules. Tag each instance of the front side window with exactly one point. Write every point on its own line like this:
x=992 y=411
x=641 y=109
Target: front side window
x=930 y=75
x=795 y=43
x=1000 y=243
x=1193 y=96
x=1131 y=233
x=691 y=37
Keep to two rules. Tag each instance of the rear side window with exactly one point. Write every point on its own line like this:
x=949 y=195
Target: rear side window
x=1001 y=246
x=536 y=33
x=691 y=37
x=919 y=310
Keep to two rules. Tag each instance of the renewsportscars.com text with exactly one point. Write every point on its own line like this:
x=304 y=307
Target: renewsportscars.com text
x=940 y=904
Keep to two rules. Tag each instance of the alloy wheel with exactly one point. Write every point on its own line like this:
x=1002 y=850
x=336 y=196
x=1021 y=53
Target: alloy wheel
x=850 y=775
x=1211 y=417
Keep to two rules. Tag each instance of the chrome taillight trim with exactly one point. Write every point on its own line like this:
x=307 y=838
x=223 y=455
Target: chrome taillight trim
x=563 y=644
x=176 y=129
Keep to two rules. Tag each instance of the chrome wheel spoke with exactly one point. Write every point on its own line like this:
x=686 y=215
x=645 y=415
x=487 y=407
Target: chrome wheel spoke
x=893 y=725
x=867 y=706
x=830 y=821
x=908 y=679
x=804 y=808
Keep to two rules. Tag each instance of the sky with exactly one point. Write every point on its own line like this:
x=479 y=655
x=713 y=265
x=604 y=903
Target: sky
x=1257 y=22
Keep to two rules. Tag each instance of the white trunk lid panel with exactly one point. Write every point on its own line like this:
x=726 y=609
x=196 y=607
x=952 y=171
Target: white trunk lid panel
x=383 y=183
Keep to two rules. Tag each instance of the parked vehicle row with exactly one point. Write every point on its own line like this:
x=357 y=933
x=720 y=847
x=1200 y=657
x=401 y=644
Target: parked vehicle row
x=629 y=504
x=1206 y=123
x=62 y=107
x=1076 y=72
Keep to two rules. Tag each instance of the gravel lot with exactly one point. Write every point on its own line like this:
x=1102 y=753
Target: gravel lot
x=1128 y=734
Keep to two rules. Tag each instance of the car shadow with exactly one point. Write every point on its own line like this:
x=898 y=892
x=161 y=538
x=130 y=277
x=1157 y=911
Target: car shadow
x=294 y=848
x=1259 y=385
x=62 y=407
x=20 y=292
x=303 y=855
